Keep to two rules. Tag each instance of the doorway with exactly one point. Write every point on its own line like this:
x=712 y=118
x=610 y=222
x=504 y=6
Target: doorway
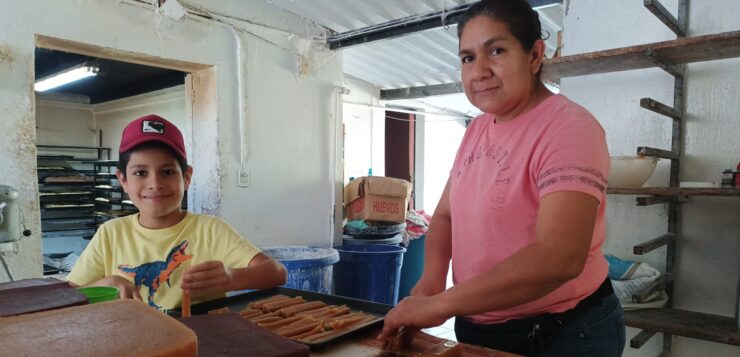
x=78 y=132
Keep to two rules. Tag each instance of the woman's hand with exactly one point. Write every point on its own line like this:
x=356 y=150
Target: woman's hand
x=126 y=289
x=207 y=277
x=415 y=312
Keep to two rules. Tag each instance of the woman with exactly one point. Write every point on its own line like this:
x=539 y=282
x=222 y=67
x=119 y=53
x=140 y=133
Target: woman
x=522 y=215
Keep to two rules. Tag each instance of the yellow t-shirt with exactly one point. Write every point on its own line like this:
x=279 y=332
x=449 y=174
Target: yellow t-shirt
x=155 y=259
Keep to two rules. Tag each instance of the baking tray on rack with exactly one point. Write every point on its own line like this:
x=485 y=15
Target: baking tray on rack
x=239 y=302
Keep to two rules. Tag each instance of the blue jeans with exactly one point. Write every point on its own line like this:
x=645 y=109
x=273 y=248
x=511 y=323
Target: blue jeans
x=599 y=331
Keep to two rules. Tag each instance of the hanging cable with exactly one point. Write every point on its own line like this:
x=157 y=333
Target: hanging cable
x=452 y=117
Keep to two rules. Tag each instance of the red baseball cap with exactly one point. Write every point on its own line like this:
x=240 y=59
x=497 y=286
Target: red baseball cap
x=152 y=128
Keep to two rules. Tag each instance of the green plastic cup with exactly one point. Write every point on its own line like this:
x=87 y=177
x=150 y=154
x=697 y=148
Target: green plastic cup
x=97 y=294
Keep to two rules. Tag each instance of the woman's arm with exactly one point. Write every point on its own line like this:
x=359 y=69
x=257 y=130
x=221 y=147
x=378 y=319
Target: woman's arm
x=565 y=224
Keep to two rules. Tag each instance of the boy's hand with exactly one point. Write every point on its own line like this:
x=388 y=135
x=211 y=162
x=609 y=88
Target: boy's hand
x=207 y=277
x=126 y=289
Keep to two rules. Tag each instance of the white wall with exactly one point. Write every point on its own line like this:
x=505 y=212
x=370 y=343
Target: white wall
x=364 y=130
x=364 y=141
x=707 y=264
x=290 y=125
x=64 y=123
x=442 y=137
x=289 y=200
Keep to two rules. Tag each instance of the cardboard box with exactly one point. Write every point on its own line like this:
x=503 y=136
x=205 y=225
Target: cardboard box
x=377 y=198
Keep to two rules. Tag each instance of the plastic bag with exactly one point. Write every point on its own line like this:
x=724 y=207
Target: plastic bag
x=417 y=224
x=629 y=277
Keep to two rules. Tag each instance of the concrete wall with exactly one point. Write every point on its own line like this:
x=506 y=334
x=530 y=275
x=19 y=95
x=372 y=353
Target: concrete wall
x=64 y=123
x=288 y=115
x=364 y=130
x=707 y=257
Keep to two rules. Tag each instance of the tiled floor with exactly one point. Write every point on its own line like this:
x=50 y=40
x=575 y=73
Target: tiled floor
x=446 y=330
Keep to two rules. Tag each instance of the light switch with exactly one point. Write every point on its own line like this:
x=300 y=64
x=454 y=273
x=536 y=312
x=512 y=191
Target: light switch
x=244 y=177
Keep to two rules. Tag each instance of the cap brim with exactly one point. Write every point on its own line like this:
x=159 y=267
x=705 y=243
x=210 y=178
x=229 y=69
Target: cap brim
x=147 y=139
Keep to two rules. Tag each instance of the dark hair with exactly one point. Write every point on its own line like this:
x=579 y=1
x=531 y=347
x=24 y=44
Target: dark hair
x=523 y=21
x=124 y=157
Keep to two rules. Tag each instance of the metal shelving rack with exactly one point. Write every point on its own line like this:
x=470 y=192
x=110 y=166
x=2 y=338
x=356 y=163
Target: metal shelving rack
x=67 y=205
x=66 y=194
x=110 y=202
x=671 y=57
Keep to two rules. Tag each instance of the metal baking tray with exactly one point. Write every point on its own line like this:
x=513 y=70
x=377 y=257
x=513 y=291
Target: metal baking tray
x=239 y=302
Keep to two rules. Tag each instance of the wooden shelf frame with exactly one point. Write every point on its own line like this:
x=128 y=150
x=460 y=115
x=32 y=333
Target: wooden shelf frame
x=670 y=56
x=649 y=246
x=660 y=108
x=675 y=191
x=674 y=52
x=685 y=323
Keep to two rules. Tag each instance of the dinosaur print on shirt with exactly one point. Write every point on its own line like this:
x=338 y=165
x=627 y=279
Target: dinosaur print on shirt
x=153 y=274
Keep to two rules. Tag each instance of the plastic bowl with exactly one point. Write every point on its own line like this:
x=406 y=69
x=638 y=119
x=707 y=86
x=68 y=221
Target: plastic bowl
x=631 y=171
x=97 y=294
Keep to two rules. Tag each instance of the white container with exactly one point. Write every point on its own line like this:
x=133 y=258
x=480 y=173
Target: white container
x=10 y=215
x=631 y=171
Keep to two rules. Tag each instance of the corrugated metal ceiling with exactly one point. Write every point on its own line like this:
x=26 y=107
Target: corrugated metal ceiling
x=347 y=15
x=419 y=59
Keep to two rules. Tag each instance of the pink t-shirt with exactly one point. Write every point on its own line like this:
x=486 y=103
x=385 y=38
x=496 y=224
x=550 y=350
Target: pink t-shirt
x=501 y=172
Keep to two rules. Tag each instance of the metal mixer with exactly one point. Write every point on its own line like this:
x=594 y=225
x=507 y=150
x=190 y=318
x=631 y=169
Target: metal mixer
x=12 y=227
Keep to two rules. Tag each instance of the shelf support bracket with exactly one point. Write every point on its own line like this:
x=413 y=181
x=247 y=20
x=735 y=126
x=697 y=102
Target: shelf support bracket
x=653 y=200
x=660 y=108
x=665 y=17
x=671 y=69
x=648 y=291
x=640 y=339
x=653 y=152
x=653 y=244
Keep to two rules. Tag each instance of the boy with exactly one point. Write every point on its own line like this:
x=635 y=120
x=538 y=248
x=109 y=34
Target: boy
x=164 y=248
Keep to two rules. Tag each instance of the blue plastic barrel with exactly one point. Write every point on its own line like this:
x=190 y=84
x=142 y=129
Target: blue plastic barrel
x=309 y=268
x=395 y=240
x=413 y=266
x=369 y=272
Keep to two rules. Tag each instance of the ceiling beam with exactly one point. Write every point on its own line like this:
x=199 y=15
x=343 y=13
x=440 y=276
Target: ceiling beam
x=407 y=25
x=421 y=92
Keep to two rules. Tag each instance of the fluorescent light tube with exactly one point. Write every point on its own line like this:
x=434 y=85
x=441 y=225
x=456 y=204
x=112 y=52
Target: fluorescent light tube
x=65 y=77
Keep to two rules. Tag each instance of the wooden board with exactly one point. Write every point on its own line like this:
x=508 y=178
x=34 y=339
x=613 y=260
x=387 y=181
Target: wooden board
x=674 y=191
x=685 y=50
x=229 y=334
x=366 y=345
x=27 y=299
x=685 y=323
x=32 y=282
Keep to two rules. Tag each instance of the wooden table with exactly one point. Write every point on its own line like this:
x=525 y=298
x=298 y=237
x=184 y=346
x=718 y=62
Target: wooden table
x=366 y=345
